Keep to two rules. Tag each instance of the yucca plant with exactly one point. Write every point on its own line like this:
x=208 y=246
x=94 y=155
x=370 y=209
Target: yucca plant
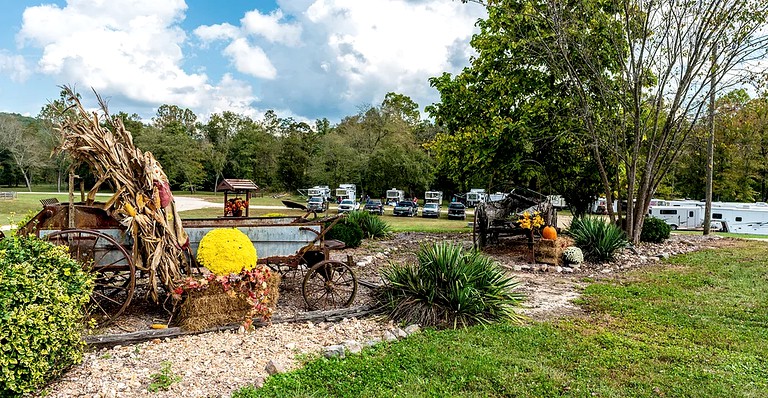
x=599 y=240
x=449 y=288
x=373 y=226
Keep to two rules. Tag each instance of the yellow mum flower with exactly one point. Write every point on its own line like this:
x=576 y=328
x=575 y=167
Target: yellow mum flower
x=226 y=251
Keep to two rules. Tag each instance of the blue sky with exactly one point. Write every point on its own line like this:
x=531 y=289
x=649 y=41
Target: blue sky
x=306 y=59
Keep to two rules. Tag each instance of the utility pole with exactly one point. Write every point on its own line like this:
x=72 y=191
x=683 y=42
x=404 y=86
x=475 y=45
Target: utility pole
x=710 y=143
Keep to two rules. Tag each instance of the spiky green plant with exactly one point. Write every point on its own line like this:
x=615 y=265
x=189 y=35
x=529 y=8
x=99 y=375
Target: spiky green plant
x=373 y=226
x=449 y=287
x=598 y=239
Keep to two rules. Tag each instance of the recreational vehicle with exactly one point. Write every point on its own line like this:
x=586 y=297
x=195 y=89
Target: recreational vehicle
x=322 y=191
x=433 y=197
x=346 y=191
x=745 y=218
x=394 y=196
x=475 y=196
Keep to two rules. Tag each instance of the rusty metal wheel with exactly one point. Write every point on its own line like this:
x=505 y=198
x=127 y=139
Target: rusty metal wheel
x=115 y=274
x=329 y=284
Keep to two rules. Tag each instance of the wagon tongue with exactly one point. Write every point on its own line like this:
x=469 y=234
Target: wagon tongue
x=293 y=205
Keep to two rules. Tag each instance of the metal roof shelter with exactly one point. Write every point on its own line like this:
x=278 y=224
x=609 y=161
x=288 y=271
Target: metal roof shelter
x=237 y=187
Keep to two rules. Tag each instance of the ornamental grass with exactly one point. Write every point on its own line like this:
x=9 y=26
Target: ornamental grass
x=449 y=288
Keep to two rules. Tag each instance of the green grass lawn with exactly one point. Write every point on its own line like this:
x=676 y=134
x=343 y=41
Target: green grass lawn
x=694 y=327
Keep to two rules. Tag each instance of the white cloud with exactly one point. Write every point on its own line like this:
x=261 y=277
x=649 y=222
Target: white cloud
x=13 y=66
x=269 y=26
x=125 y=48
x=250 y=60
x=396 y=45
x=208 y=33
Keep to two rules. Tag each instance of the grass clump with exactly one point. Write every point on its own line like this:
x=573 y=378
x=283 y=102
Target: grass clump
x=449 y=287
x=655 y=230
x=163 y=379
x=599 y=240
x=372 y=225
x=346 y=231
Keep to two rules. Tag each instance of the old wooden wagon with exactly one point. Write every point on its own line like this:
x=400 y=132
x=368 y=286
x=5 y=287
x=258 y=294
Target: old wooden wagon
x=282 y=243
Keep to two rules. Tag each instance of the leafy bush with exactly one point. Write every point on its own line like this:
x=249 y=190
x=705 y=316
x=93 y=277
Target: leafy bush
x=373 y=226
x=449 y=287
x=598 y=239
x=42 y=296
x=346 y=231
x=655 y=230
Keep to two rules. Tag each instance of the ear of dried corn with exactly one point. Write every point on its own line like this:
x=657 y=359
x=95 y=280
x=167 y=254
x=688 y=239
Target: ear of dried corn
x=102 y=142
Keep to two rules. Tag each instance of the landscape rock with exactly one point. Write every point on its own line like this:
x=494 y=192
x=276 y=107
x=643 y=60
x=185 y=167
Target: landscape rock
x=400 y=333
x=274 y=367
x=352 y=346
x=389 y=336
x=335 y=351
x=411 y=329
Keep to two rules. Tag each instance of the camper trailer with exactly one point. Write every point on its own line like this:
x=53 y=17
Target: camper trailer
x=433 y=197
x=322 y=191
x=683 y=217
x=346 y=191
x=495 y=197
x=394 y=195
x=557 y=201
x=475 y=196
x=744 y=218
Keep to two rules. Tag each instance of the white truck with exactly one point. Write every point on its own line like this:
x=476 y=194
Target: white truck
x=394 y=196
x=346 y=191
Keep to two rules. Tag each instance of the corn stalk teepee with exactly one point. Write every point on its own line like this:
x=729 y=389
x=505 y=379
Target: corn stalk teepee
x=142 y=201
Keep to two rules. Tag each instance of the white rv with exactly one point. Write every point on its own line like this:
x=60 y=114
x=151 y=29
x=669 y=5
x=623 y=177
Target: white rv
x=475 y=196
x=433 y=197
x=495 y=197
x=557 y=201
x=684 y=217
x=394 y=196
x=322 y=191
x=346 y=191
x=744 y=218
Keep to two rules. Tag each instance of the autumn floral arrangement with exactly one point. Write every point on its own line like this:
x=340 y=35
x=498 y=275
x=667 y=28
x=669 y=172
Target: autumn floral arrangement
x=530 y=220
x=237 y=289
x=235 y=207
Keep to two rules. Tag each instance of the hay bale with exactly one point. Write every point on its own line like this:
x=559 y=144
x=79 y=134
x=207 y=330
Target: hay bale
x=550 y=251
x=213 y=306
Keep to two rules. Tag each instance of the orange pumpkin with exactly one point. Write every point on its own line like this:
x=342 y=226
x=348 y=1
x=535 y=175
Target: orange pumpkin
x=549 y=232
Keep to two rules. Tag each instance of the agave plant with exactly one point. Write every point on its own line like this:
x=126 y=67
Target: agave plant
x=598 y=239
x=449 y=287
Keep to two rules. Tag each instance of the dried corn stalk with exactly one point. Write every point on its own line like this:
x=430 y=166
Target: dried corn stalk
x=138 y=181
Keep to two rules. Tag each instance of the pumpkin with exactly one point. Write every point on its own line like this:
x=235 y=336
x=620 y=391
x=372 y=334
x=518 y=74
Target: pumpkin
x=549 y=232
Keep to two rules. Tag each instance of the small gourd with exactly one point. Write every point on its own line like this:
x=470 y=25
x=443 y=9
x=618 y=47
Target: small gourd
x=549 y=232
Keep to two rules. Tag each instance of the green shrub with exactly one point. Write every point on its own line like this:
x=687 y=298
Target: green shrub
x=346 y=231
x=449 y=288
x=655 y=230
x=42 y=296
x=598 y=239
x=372 y=225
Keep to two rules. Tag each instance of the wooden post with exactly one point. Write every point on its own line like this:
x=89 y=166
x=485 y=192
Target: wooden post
x=531 y=254
x=71 y=207
x=248 y=203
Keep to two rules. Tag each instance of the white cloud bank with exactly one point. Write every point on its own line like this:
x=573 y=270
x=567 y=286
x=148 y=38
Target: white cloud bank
x=128 y=48
x=308 y=59
x=13 y=66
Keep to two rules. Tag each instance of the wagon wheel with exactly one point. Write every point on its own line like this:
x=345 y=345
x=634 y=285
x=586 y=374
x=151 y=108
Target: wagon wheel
x=329 y=284
x=115 y=274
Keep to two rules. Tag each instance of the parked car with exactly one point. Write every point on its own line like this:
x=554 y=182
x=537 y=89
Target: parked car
x=405 y=208
x=374 y=206
x=317 y=203
x=348 y=205
x=431 y=210
x=457 y=210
